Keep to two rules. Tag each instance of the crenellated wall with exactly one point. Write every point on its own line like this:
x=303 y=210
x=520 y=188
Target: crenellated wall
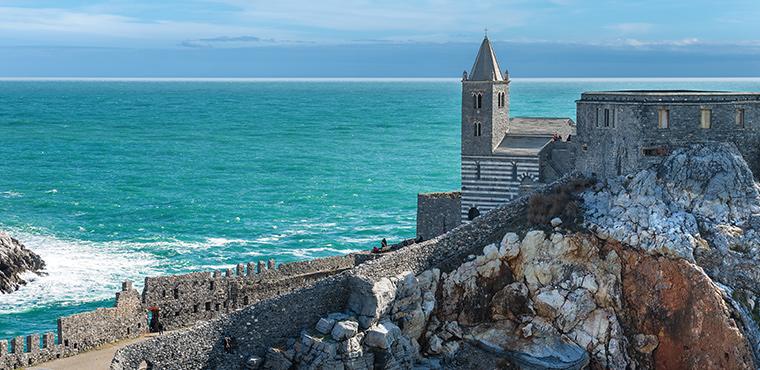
x=272 y=321
x=183 y=300
x=78 y=333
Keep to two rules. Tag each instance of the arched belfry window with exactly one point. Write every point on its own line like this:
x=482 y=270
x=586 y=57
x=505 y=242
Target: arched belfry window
x=477 y=129
x=475 y=101
x=480 y=101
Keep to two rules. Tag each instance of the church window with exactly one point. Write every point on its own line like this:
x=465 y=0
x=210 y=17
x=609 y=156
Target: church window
x=740 y=118
x=514 y=171
x=664 y=118
x=477 y=170
x=477 y=128
x=480 y=101
x=706 y=118
x=475 y=101
x=606 y=118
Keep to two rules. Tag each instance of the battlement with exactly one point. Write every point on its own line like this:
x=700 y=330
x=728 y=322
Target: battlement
x=179 y=300
x=284 y=316
x=182 y=300
x=78 y=333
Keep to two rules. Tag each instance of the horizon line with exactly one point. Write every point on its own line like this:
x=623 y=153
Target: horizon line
x=371 y=79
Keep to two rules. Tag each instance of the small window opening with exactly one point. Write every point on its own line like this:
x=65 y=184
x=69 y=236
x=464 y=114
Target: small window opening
x=195 y=308
x=217 y=306
x=480 y=101
x=706 y=121
x=475 y=101
x=655 y=152
x=664 y=118
x=514 y=171
x=477 y=170
x=740 y=118
x=477 y=129
x=176 y=293
x=208 y=306
x=606 y=118
x=211 y=286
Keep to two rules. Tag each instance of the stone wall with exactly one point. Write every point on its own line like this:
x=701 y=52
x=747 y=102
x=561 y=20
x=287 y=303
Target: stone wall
x=183 y=300
x=251 y=330
x=633 y=139
x=556 y=159
x=78 y=333
x=88 y=330
x=437 y=213
x=269 y=322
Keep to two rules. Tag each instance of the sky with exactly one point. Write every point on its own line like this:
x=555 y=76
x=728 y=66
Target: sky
x=389 y=38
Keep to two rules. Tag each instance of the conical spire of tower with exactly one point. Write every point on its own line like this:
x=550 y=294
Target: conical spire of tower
x=486 y=67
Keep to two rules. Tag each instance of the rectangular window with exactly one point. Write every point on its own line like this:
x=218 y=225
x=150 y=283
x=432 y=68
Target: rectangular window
x=606 y=118
x=740 y=118
x=664 y=118
x=706 y=121
x=597 y=117
x=613 y=118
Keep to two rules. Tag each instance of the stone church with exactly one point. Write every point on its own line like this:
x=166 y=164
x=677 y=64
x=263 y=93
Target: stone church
x=618 y=132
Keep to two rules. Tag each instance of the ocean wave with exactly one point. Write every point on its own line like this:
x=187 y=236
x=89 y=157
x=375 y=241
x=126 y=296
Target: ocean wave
x=11 y=194
x=77 y=272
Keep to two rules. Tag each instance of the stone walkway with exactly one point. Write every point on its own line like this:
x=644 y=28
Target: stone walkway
x=99 y=359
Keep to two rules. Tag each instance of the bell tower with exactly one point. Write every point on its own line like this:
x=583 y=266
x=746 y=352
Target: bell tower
x=485 y=104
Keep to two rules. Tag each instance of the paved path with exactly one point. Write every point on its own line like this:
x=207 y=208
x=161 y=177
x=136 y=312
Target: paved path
x=99 y=359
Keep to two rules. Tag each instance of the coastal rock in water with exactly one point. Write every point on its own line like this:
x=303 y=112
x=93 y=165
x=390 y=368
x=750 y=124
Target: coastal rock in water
x=15 y=259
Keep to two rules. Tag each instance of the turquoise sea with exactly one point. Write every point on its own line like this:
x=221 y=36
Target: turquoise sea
x=118 y=179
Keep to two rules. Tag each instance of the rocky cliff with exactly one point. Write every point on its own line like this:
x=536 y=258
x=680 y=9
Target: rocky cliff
x=15 y=260
x=654 y=270
x=657 y=269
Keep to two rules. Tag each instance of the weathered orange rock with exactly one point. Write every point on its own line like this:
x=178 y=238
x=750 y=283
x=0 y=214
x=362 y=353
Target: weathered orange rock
x=674 y=300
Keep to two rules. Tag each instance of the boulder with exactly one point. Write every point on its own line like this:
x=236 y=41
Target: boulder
x=344 y=330
x=325 y=325
x=381 y=335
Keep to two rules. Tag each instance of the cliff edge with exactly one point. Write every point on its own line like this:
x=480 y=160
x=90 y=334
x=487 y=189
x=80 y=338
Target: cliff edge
x=15 y=260
x=653 y=270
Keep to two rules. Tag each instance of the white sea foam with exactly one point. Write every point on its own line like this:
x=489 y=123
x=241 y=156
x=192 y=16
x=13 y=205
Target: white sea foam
x=11 y=194
x=218 y=242
x=80 y=271
x=77 y=271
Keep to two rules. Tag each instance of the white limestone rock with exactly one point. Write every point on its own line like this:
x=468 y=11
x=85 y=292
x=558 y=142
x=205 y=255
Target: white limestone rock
x=382 y=335
x=344 y=330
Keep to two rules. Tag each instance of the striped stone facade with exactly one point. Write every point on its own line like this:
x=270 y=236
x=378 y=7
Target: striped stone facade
x=488 y=181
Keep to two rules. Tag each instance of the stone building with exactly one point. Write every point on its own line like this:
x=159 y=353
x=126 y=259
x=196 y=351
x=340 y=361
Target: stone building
x=618 y=132
x=502 y=156
x=622 y=131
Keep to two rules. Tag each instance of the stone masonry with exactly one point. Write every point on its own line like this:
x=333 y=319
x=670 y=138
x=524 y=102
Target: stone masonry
x=437 y=213
x=180 y=301
x=78 y=333
x=620 y=132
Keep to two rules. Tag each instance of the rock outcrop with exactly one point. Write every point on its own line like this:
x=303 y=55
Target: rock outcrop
x=654 y=270
x=624 y=289
x=15 y=260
